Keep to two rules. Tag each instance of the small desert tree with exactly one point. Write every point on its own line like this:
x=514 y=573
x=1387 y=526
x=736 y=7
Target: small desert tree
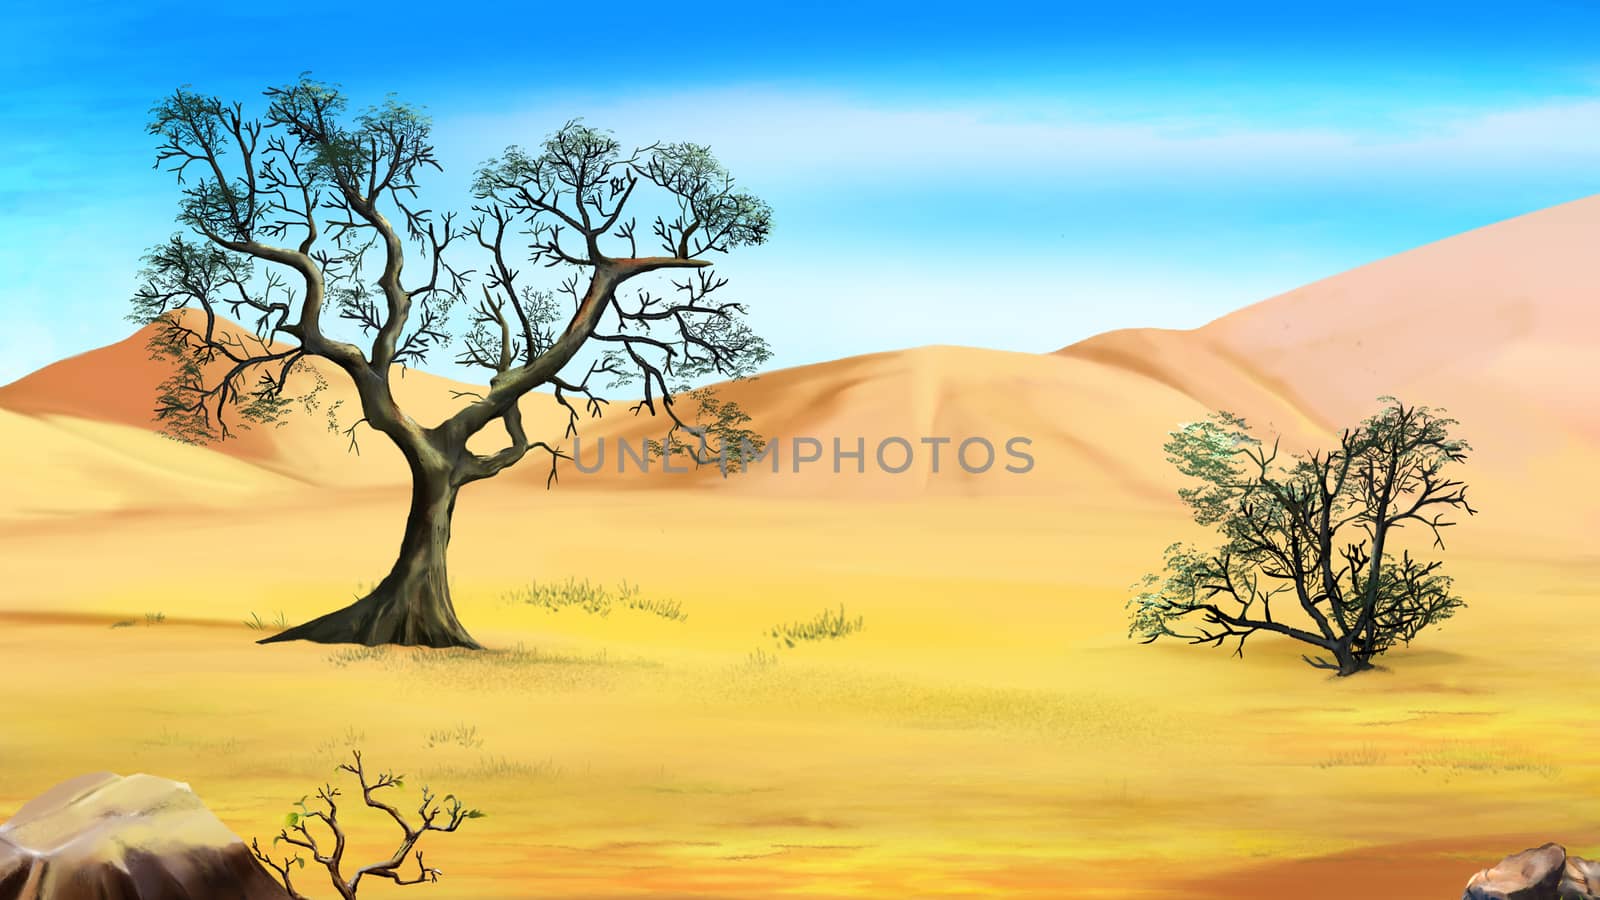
x=327 y=204
x=317 y=830
x=1308 y=546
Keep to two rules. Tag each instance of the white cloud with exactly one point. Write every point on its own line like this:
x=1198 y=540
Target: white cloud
x=783 y=134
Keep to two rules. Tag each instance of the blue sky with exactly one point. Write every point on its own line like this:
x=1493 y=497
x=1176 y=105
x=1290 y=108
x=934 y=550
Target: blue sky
x=989 y=174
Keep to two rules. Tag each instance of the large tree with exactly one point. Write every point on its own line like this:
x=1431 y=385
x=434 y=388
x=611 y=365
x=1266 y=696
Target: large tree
x=326 y=203
x=1309 y=546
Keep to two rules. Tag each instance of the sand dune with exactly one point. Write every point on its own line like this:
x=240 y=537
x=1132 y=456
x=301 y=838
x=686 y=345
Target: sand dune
x=113 y=390
x=1494 y=325
x=1069 y=412
x=72 y=466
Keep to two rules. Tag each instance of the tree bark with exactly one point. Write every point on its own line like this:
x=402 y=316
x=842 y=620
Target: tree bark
x=1350 y=660
x=1352 y=666
x=411 y=606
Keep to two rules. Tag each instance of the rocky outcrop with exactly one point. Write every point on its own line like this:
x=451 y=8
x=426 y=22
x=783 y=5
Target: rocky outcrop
x=106 y=837
x=1582 y=879
x=1543 y=873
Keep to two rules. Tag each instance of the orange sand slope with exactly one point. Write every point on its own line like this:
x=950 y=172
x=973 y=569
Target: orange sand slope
x=1497 y=325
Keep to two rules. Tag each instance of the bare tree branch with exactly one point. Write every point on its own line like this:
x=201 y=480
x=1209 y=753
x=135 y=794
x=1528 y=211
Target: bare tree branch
x=327 y=843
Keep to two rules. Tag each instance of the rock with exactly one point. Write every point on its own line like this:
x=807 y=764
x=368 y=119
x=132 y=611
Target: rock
x=1530 y=875
x=106 y=837
x=1581 y=880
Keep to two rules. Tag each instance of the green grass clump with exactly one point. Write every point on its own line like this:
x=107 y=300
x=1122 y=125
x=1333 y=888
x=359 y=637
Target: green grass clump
x=461 y=736
x=595 y=599
x=279 y=623
x=825 y=626
x=760 y=659
x=344 y=656
x=337 y=746
x=1357 y=756
x=1461 y=758
x=495 y=768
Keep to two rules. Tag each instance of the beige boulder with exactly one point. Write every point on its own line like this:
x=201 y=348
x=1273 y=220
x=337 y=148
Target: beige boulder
x=1530 y=875
x=1581 y=880
x=1543 y=873
x=107 y=837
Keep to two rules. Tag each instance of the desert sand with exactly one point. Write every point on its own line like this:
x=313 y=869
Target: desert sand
x=991 y=732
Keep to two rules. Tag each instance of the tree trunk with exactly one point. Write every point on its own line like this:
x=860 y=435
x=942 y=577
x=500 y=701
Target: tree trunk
x=1351 y=661
x=1352 y=666
x=411 y=606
